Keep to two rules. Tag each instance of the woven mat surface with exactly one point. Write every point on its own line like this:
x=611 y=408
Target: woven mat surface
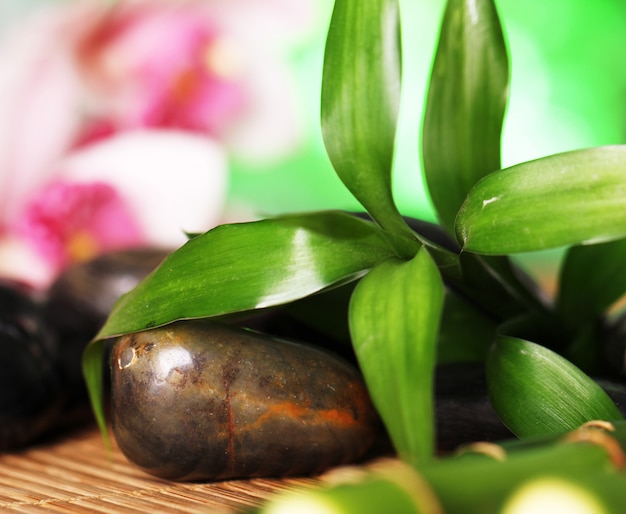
x=75 y=473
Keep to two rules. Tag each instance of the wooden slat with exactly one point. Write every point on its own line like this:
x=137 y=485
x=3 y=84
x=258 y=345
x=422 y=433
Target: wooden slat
x=76 y=474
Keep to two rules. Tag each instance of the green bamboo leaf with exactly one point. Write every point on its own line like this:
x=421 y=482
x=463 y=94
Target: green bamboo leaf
x=565 y=199
x=474 y=482
x=239 y=267
x=360 y=99
x=465 y=106
x=549 y=470
x=93 y=371
x=394 y=319
x=592 y=278
x=537 y=392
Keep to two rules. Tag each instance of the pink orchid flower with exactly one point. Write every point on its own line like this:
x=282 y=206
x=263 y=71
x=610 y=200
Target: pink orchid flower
x=135 y=188
x=179 y=84
x=116 y=119
x=205 y=66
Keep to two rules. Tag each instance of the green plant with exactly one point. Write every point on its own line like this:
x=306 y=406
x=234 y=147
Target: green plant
x=574 y=472
x=409 y=284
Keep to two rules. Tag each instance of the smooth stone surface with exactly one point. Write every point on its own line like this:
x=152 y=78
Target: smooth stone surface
x=200 y=401
x=32 y=390
x=463 y=411
x=80 y=299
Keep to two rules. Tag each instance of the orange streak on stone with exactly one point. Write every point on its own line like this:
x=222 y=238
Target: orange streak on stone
x=291 y=410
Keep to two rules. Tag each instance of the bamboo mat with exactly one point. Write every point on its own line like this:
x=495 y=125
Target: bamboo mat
x=75 y=473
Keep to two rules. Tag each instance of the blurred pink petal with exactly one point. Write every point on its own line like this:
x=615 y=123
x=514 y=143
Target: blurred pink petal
x=174 y=182
x=38 y=104
x=155 y=85
x=116 y=119
x=69 y=222
x=223 y=71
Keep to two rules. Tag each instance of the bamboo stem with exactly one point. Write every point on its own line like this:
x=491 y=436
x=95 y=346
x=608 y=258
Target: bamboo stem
x=584 y=466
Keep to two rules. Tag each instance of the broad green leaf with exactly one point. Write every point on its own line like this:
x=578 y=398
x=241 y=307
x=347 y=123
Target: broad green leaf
x=245 y=266
x=394 y=320
x=592 y=278
x=537 y=392
x=360 y=99
x=571 y=198
x=465 y=106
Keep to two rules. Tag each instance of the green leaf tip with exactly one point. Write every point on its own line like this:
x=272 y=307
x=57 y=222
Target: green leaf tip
x=465 y=106
x=576 y=197
x=360 y=103
x=394 y=318
x=93 y=363
x=537 y=392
